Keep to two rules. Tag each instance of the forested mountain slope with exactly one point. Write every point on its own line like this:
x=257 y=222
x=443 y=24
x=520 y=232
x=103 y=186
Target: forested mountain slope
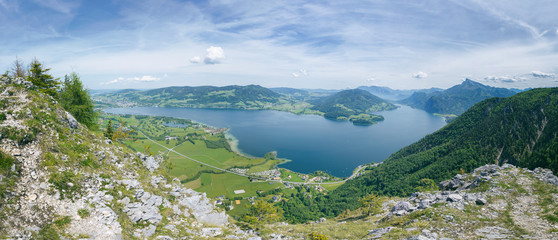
x=521 y=130
x=456 y=99
x=350 y=102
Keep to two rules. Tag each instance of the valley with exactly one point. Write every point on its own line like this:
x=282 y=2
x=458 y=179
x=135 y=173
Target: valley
x=278 y=120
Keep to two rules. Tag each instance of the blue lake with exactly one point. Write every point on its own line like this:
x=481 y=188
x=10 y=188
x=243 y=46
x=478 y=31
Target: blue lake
x=311 y=142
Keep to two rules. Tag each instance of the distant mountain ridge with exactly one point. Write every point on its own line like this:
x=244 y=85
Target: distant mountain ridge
x=395 y=94
x=236 y=97
x=519 y=130
x=456 y=99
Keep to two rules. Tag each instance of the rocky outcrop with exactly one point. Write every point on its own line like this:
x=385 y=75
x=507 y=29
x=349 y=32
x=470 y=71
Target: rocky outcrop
x=151 y=163
x=87 y=185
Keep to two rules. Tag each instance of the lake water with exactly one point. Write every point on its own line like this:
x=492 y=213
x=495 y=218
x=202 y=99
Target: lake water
x=311 y=142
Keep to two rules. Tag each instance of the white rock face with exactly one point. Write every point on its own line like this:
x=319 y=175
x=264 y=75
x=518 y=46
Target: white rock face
x=202 y=208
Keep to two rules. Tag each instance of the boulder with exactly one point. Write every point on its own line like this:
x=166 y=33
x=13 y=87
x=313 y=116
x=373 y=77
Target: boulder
x=454 y=198
x=379 y=232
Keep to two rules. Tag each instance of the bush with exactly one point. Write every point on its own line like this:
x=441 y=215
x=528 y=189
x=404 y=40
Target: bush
x=317 y=236
x=84 y=213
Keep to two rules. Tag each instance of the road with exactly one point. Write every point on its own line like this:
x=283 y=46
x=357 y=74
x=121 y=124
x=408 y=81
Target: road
x=355 y=173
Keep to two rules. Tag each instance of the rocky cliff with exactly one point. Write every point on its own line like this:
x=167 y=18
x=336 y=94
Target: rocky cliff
x=60 y=180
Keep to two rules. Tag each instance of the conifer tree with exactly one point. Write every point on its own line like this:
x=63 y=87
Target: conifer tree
x=44 y=82
x=76 y=100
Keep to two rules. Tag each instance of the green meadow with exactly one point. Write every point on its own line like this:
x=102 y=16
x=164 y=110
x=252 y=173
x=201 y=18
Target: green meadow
x=204 y=144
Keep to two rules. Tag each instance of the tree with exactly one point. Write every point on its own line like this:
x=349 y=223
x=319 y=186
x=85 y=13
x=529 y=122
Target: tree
x=76 y=100
x=261 y=213
x=428 y=185
x=18 y=69
x=44 y=82
x=371 y=204
x=109 y=132
x=123 y=132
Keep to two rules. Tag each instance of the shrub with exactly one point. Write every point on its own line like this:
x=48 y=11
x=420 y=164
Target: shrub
x=84 y=213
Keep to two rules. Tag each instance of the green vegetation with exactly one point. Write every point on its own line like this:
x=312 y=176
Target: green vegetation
x=365 y=119
x=260 y=213
x=83 y=213
x=67 y=184
x=353 y=105
x=455 y=100
x=520 y=130
x=44 y=82
x=76 y=99
x=234 y=97
x=317 y=236
x=371 y=204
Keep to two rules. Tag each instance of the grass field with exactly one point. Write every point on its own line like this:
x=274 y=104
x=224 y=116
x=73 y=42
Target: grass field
x=207 y=145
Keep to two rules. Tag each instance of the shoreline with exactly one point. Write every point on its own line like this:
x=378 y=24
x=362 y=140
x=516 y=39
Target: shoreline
x=233 y=142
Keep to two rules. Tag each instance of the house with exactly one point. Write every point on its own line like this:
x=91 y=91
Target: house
x=237 y=202
x=240 y=191
x=170 y=138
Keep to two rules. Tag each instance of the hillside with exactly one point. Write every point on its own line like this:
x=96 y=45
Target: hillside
x=519 y=130
x=347 y=104
x=490 y=203
x=456 y=99
x=234 y=97
x=61 y=180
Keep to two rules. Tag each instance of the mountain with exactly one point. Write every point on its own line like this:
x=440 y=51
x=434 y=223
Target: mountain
x=347 y=103
x=395 y=94
x=456 y=99
x=59 y=180
x=300 y=94
x=519 y=130
x=235 y=97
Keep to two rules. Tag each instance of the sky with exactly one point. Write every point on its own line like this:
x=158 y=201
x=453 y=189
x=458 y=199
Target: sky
x=402 y=44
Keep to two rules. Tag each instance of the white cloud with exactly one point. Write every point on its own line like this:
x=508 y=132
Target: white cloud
x=132 y=79
x=539 y=74
x=196 y=59
x=146 y=79
x=301 y=72
x=505 y=79
x=214 y=55
x=420 y=75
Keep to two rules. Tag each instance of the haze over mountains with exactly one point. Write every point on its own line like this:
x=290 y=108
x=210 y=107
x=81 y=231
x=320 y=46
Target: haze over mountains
x=456 y=99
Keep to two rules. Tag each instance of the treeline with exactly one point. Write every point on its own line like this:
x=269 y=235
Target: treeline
x=70 y=93
x=519 y=130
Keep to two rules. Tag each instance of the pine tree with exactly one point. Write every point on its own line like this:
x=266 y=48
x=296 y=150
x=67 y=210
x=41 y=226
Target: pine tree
x=18 y=69
x=76 y=100
x=109 y=132
x=44 y=82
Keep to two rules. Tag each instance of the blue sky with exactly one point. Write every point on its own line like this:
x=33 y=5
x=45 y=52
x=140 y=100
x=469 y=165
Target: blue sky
x=303 y=44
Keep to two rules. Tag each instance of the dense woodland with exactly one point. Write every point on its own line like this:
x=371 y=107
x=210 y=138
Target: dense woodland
x=520 y=130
